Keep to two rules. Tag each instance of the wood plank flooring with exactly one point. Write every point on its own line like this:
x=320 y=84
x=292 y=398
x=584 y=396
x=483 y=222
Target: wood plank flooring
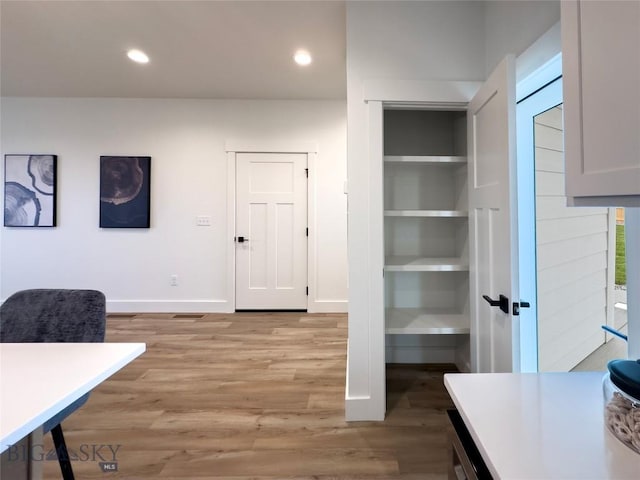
x=251 y=396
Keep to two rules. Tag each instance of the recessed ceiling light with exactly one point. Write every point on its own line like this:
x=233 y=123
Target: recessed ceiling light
x=138 y=56
x=302 y=57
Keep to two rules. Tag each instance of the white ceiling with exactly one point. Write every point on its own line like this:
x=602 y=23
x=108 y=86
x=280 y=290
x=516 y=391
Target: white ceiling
x=198 y=49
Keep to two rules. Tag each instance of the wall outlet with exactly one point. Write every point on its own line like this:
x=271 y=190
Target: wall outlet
x=173 y=280
x=203 y=221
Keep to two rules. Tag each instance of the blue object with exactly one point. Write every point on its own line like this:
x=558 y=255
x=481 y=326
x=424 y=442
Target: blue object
x=625 y=374
x=614 y=332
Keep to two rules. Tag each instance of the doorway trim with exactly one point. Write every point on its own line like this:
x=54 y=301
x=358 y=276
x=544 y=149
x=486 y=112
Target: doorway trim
x=526 y=110
x=233 y=147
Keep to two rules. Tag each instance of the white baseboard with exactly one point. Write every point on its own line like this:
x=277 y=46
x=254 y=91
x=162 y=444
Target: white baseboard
x=360 y=409
x=169 y=306
x=328 y=306
x=206 y=306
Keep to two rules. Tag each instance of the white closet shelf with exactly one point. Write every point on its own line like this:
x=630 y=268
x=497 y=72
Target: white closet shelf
x=413 y=263
x=428 y=159
x=426 y=213
x=423 y=321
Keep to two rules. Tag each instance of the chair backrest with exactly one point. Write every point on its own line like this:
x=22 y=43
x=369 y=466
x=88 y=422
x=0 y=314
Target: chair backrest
x=53 y=315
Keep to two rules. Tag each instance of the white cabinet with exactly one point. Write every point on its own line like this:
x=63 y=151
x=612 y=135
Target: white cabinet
x=426 y=260
x=601 y=78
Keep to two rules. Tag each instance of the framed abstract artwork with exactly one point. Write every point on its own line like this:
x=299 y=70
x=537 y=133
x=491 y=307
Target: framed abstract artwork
x=125 y=192
x=30 y=190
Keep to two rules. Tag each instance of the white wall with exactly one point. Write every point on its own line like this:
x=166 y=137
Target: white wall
x=511 y=26
x=186 y=140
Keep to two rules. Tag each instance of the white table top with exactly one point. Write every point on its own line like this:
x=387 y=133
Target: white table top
x=38 y=380
x=541 y=426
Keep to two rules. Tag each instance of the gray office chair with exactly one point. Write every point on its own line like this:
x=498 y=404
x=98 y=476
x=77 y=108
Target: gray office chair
x=51 y=316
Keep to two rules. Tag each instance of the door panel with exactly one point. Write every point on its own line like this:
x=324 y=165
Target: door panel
x=258 y=252
x=492 y=193
x=486 y=134
x=285 y=264
x=271 y=217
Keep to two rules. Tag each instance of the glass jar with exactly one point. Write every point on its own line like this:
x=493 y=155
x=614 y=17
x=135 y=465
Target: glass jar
x=621 y=389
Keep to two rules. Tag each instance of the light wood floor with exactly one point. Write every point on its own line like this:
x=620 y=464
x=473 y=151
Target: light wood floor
x=252 y=396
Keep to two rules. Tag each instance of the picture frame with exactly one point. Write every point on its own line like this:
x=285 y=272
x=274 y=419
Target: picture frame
x=30 y=190
x=125 y=191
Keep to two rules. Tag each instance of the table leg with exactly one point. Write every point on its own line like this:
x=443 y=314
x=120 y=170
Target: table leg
x=24 y=460
x=36 y=463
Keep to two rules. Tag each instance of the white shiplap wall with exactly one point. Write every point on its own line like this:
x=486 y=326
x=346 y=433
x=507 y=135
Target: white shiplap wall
x=572 y=258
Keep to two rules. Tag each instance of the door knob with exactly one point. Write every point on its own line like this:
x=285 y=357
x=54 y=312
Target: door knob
x=502 y=302
x=242 y=239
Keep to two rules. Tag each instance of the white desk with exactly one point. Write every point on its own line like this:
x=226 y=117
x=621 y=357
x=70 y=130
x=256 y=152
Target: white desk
x=38 y=380
x=541 y=426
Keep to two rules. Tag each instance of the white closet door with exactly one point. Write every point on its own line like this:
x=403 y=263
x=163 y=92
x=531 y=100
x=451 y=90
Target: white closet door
x=493 y=223
x=271 y=222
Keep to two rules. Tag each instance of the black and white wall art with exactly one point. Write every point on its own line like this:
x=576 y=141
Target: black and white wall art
x=30 y=190
x=125 y=192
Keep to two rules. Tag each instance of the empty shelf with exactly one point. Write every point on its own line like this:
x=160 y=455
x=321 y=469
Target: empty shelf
x=426 y=213
x=425 y=321
x=450 y=159
x=412 y=263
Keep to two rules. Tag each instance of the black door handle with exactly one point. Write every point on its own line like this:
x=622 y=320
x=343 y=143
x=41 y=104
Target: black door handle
x=242 y=239
x=517 y=306
x=502 y=302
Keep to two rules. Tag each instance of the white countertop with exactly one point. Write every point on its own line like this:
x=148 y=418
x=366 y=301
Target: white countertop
x=541 y=426
x=38 y=380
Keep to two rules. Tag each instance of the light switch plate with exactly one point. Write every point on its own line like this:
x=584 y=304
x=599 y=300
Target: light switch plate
x=203 y=221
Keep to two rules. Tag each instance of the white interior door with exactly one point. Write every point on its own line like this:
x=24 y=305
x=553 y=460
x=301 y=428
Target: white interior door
x=271 y=231
x=493 y=223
